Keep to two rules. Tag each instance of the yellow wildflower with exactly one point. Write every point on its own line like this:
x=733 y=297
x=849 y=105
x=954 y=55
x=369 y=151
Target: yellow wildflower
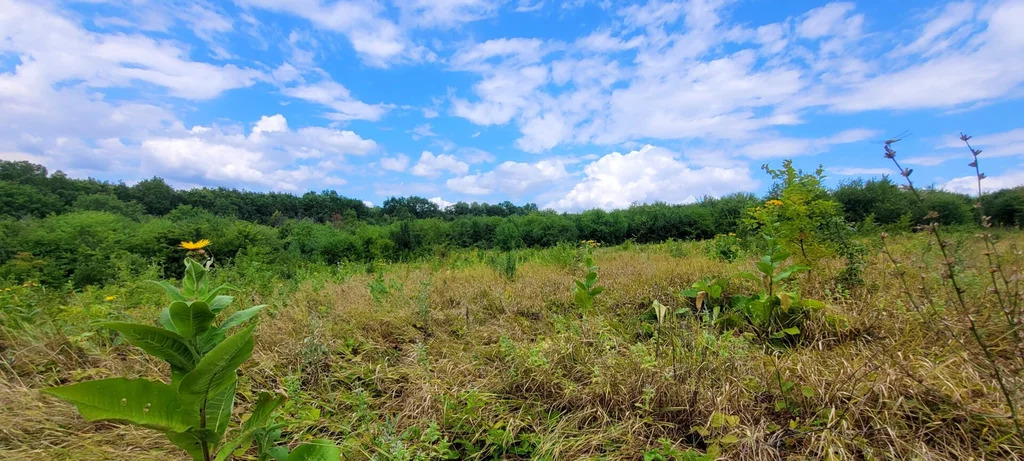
x=192 y=246
x=774 y=202
x=110 y=298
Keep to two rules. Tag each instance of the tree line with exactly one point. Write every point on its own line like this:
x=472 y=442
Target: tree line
x=55 y=229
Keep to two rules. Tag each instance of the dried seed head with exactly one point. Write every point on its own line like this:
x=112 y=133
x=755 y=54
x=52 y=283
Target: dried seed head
x=973 y=164
x=885 y=235
x=976 y=152
x=932 y=215
x=906 y=172
x=981 y=175
x=964 y=137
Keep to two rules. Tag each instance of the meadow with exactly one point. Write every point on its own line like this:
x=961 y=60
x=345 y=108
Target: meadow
x=457 y=358
x=801 y=326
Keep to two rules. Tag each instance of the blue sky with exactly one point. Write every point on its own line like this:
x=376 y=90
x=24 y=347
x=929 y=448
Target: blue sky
x=571 y=104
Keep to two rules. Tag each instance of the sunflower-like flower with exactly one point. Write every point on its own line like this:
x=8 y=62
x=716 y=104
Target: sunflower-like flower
x=193 y=246
x=774 y=202
x=110 y=298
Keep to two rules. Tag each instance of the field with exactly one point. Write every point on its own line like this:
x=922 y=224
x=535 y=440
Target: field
x=489 y=355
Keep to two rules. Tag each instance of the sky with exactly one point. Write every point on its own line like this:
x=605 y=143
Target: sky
x=570 y=104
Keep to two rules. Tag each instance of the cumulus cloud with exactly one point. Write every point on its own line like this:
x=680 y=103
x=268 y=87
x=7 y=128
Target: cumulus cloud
x=268 y=157
x=969 y=184
x=650 y=174
x=431 y=166
x=440 y=202
x=397 y=163
x=512 y=178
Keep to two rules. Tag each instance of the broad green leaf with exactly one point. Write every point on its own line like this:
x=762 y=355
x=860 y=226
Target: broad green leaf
x=715 y=290
x=581 y=286
x=165 y=320
x=192 y=284
x=218 y=303
x=171 y=290
x=793 y=331
x=749 y=276
x=209 y=340
x=591 y=278
x=316 y=450
x=729 y=439
x=138 y=401
x=216 y=368
x=258 y=419
x=765 y=268
x=158 y=342
x=807 y=391
x=787 y=272
x=187 y=441
x=214 y=293
x=239 y=317
x=218 y=408
x=779 y=256
x=596 y=291
x=191 y=319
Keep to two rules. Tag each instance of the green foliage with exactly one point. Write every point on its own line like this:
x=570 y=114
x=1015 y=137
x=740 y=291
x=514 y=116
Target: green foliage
x=505 y=264
x=798 y=212
x=775 y=313
x=194 y=410
x=668 y=452
x=586 y=289
x=726 y=247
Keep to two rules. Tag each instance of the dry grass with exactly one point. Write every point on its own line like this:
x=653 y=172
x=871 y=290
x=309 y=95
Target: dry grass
x=528 y=373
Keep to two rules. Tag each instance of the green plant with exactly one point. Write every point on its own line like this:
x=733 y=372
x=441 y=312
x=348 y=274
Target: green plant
x=725 y=247
x=505 y=264
x=668 y=452
x=775 y=313
x=586 y=289
x=194 y=410
x=711 y=304
x=799 y=212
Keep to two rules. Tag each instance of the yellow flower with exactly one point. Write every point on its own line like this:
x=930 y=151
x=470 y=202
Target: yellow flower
x=110 y=298
x=774 y=202
x=192 y=246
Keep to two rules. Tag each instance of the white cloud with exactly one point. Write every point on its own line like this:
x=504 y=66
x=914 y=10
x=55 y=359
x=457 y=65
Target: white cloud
x=831 y=19
x=431 y=166
x=53 y=49
x=986 y=73
x=969 y=184
x=650 y=174
x=791 y=147
x=271 y=156
x=397 y=163
x=513 y=178
x=941 y=32
x=446 y=13
x=440 y=202
x=422 y=131
x=338 y=99
x=377 y=40
x=272 y=124
x=1003 y=144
